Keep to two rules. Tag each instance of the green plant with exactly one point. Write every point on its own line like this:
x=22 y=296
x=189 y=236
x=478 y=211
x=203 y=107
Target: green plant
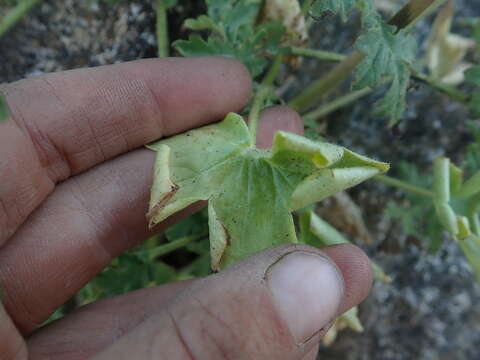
x=253 y=193
x=444 y=202
x=383 y=54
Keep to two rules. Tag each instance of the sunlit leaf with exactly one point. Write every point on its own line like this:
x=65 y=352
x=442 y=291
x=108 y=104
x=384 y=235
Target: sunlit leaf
x=251 y=192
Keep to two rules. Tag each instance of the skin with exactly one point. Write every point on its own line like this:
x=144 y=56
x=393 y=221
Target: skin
x=74 y=188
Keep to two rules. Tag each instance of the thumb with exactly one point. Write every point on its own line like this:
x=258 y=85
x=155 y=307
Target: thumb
x=275 y=305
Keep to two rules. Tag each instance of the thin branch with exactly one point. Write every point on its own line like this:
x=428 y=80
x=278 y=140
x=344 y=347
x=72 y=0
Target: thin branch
x=336 y=104
x=262 y=93
x=413 y=12
x=403 y=185
x=162 y=28
x=326 y=84
x=15 y=15
x=318 y=54
x=450 y=91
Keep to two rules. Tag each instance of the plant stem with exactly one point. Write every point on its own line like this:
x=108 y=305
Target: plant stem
x=450 y=91
x=162 y=28
x=174 y=245
x=318 y=54
x=413 y=12
x=324 y=85
x=16 y=14
x=474 y=223
x=262 y=93
x=441 y=179
x=403 y=185
x=338 y=103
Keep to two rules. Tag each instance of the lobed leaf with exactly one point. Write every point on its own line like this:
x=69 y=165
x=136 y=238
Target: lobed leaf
x=388 y=55
x=233 y=32
x=251 y=192
x=341 y=7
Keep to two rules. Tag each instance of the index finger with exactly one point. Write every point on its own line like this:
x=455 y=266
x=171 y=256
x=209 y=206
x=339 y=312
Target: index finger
x=65 y=123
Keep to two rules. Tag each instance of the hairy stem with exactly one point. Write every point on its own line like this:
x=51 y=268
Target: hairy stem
x=450 y=91
x=336 y=104
x=162 y=28
x=15 y=15
x=318 y=54
x=413 y=12
x=326 y=84
x=262 y=93
x=441 y=179
x=403 y=185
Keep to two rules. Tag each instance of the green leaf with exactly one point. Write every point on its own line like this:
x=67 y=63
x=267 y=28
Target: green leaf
x=409 y=217
x=341 y=7
x=234 y=33
x=196 y=46
x=3 y=109
x=251 y=192
x=394 y=103
x=203 y=22
x=130 y=271
x=388 y=56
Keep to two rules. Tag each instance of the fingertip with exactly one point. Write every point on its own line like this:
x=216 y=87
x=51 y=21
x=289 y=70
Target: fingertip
x=234 y=87
x=236 y=75
x=356 y=270
x=192 y=92
x=277 y=118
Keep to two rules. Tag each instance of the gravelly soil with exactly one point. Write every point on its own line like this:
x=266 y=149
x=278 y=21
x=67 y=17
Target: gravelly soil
x=432 y=310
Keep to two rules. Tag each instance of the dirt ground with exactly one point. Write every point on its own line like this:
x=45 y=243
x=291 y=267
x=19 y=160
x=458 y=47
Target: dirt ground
x=431 y=311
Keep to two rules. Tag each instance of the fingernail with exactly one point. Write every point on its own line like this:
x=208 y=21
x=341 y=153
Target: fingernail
x=307 y=291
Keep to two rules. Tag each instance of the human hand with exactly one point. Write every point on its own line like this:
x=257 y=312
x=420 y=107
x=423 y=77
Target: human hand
x=74 y=188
